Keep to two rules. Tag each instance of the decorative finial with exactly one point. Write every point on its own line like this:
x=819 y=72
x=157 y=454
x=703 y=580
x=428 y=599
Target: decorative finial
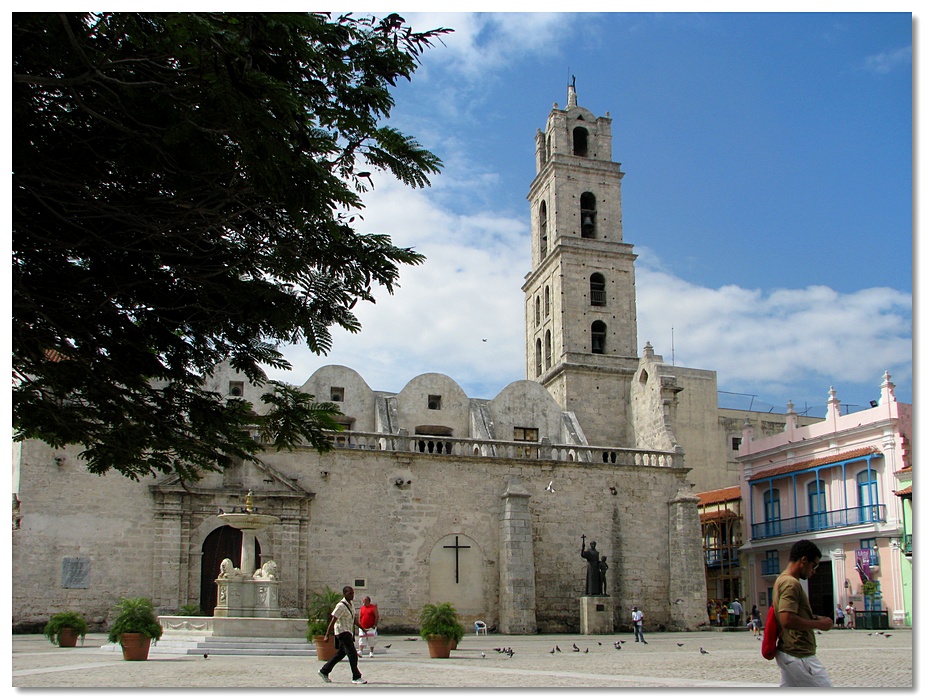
x=249 y=502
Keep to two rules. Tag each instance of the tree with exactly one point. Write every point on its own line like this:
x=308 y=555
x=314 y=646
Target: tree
x=186 y=190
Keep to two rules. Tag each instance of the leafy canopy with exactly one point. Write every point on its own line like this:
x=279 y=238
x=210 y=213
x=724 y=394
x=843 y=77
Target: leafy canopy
x=186 y=188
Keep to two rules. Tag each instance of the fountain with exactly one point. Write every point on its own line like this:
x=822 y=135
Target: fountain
x=245 y=592
x=248 y=598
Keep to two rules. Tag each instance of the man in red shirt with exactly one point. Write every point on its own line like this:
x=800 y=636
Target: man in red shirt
x=369 y=622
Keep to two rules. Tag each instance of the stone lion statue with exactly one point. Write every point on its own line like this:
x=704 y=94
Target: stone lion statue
x=267 y=571
x=227 y=569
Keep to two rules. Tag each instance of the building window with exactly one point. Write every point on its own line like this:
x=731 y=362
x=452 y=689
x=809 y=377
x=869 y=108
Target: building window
x=526 y=434
x=544 y=236
x=580 y=141
x=871 y=544
x=771 y=563
x=772 y=511
x=598 y=290
x=736 y=444
x=588 y=215
x=868 y=496
x=817 y=509
x=337 y=393
x=598 y=337
x=433 y=402
x=236 y=388
x=537 y=310
x=539 y=357
x=546 y=305
x=548 y=350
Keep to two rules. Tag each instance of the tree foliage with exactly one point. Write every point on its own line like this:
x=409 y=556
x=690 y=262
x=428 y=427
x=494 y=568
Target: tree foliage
x=186 y=190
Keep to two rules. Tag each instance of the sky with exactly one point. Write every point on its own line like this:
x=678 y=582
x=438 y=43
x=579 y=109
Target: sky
x=767 y=193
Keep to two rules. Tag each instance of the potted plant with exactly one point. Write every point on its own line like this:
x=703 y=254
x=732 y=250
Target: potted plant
x=64 y=628
x=134 y=627
x=441 y=629
x=320 y=606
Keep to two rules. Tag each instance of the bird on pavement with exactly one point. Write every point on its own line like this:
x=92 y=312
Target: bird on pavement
x=703 y=651
x=616 y=645
x=552 y=651
x=205 y=656
x=575 y=647
x=888 y=635
x=557 y=648
x=387 y=646
x=586 y=651
x=599 y=644
x=680 y=644
x=483 y=654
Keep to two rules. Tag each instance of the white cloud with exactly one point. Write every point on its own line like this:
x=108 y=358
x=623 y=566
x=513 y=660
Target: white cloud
x=887 y=61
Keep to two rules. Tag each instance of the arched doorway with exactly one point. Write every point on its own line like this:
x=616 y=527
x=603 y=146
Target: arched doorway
x=222 y=543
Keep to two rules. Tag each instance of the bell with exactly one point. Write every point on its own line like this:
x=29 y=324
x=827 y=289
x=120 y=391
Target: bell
x=587 y=223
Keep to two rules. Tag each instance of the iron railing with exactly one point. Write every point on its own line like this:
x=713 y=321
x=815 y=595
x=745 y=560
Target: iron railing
x=829 y=520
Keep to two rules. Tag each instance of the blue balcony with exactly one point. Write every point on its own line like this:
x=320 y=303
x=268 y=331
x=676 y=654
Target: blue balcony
x=721 y=557
x=819 y=521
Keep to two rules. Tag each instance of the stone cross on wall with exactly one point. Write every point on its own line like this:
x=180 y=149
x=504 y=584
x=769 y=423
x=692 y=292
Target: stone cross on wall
x=457 y=547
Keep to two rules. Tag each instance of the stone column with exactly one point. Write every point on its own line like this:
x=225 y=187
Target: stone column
x=517 y=597
x=687 y=584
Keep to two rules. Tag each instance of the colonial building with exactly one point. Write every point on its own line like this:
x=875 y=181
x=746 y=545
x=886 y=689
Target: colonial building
x=432 y=495
x=837 y=482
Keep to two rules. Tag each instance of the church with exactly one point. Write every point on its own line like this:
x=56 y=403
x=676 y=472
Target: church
x=431 y=495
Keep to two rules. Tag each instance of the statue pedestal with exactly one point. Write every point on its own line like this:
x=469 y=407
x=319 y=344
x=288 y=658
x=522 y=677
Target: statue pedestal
x=247 y=597
x=596 y=614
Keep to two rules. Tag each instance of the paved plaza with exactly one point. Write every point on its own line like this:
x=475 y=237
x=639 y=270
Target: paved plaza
x=852 y=658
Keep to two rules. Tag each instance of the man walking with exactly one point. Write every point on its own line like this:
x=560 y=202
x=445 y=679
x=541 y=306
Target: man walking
x=796 y=650
x=736 y=613
x=343 y=620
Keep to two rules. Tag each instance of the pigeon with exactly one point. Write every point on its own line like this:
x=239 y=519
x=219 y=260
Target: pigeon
x=510 y=653
x=869 y=633
x=622 y=641
x=880 y=633
x=411 y=639
x=586 y=651
x=557 y=648
x=644 y=641
x=205 y=656
x=498 y=649
x=388 y=646
x=888 y=635
x=483 y=654
x=680 y=644
x=703 y=651
x=550 y=488
x=552 y=651
x=575 y=647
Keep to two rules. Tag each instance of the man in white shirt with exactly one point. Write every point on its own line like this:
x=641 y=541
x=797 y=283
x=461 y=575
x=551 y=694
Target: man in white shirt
x=343 y=620
x=637 y=625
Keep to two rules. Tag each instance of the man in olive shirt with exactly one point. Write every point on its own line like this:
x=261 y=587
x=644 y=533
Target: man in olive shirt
x=796 y=650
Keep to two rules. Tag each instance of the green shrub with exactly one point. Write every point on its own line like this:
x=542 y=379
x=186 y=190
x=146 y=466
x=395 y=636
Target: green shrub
x=320 y=606
x=135 y=615
x=60 y=620
x=441 y=620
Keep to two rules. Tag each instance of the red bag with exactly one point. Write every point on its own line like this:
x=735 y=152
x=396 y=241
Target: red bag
x=771 y=635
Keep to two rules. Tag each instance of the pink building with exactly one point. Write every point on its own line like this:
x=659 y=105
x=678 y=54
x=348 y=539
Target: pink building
x=833 y=482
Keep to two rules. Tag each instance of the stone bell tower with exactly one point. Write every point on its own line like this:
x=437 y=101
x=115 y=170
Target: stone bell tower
x=580 y=296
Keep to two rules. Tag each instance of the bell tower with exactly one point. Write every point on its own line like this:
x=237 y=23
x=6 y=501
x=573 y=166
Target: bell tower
x=580 y=296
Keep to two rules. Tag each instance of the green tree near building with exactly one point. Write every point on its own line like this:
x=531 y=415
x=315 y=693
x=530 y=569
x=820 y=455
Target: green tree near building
x=187 y=189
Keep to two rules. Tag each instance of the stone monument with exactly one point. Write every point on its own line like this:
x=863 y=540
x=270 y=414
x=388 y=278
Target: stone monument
x=596 y=607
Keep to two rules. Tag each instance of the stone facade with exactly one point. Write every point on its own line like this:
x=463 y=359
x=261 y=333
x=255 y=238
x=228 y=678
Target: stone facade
x=431 y=495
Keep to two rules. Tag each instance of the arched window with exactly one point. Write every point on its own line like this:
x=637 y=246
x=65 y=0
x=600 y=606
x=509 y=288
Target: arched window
x=598 y=337
x=544 y=236
x=588 y=215
x=546 y=307
x=772 y=511
x=580 y=141
x=548 y=349
x=539 y=357
x=598 y=290
x=537 y=313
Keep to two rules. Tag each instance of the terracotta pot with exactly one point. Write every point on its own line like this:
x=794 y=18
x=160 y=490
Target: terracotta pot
x=453 y=644
x=439 y=647
x=135 y=646
x=324 y=649
x=67 y=637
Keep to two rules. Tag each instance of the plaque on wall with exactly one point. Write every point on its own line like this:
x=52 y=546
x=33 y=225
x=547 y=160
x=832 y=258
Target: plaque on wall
x=75 y=572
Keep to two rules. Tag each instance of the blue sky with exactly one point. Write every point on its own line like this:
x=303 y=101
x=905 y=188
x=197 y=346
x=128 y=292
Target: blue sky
x=768 y=194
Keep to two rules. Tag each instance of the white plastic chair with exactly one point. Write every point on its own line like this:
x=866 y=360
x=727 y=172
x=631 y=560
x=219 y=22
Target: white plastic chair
x=480 y=628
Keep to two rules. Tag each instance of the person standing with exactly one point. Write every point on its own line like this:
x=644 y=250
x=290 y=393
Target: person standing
x=839 y=616
x=796 y=650
x=369 y=626
x=637 y=625
x=849 y=615
x=736 y=613
x=343 y=620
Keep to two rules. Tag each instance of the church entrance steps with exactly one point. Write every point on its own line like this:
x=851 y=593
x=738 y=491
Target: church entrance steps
x=227 y=646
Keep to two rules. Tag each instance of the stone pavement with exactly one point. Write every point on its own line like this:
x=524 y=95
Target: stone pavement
x=852 y=658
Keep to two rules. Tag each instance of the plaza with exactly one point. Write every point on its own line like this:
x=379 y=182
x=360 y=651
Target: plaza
x=733 y=660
